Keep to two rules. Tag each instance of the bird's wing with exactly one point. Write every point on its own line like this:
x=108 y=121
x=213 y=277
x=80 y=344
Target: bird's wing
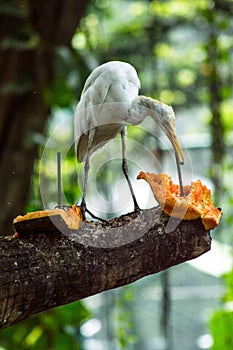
x=81 y=128
x=110 y=83
x=116 y=75
x=88 y=110
x=97 y=85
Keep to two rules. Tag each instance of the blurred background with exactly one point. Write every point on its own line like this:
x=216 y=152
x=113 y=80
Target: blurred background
x=183 y=53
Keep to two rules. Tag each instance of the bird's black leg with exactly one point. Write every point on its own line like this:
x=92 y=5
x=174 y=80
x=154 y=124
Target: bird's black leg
x=125 y=169
x=83 y=206
x=179 y=176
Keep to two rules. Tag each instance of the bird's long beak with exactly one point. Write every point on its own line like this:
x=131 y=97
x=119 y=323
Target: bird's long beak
x=164 y=116
x=160 y=113
x=171 y=134
x=169 y=130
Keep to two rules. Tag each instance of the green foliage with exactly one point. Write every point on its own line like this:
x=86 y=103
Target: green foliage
x=57 y=328
x=221 y=322
x=221 y=326
x=124 y=321
x=228 y=278
x=59 y=94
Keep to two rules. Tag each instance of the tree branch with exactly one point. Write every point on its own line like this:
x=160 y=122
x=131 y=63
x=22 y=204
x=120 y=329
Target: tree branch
x=43 y=270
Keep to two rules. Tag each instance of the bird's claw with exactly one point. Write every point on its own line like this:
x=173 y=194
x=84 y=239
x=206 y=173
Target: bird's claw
x=84 y=210
x=96 y=217
x=137 y=209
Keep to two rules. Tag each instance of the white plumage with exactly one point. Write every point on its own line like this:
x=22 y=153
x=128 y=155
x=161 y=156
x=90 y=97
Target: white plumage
x=105 y=100
x=109 y=101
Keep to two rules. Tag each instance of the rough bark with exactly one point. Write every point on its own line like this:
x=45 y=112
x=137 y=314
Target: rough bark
x=44 y=270
x=30 y=33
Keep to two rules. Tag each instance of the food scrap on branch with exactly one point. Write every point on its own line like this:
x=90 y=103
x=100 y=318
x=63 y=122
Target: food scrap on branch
x=195 y=203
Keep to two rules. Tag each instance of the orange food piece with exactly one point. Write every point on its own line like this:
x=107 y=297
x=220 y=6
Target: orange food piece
x=72 y=217
x=195 y=203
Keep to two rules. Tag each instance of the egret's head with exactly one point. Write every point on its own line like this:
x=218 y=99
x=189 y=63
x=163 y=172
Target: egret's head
x=163 y=115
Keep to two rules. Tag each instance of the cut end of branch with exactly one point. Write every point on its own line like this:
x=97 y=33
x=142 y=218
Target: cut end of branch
x=48 y=220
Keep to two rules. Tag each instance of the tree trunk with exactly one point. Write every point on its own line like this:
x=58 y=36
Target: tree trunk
x=30 y=33
x=44 y=270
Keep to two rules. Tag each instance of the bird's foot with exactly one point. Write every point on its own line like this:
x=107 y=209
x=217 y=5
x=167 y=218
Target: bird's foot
x=84 y=210
x=137 y=209
x=96 y=217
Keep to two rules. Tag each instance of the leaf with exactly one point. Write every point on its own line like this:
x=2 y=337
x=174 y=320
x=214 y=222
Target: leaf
x=59 y=94
x=221 y=325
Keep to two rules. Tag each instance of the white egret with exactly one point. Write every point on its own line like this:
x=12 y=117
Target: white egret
x=109 y=101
